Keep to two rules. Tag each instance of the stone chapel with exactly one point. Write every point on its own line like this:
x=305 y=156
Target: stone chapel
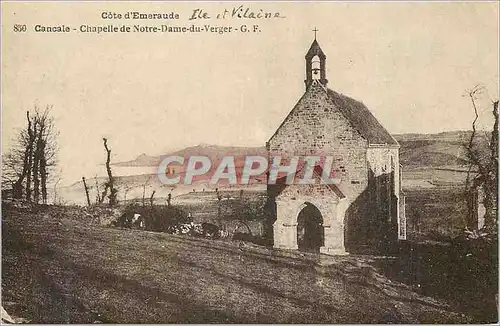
x=364 y=210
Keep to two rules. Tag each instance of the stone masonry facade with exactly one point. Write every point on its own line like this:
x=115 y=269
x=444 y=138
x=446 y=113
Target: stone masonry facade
x=365 y=208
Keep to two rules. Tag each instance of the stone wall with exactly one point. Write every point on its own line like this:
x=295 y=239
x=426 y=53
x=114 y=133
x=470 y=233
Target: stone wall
x=315 y=127
x=384 y=175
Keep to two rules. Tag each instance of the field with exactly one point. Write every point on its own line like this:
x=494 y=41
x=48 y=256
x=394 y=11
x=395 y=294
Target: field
x=61 y=267
x=57 y=269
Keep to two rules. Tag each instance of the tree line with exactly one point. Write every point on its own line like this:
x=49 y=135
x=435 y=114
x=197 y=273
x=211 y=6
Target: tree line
x=28 y=166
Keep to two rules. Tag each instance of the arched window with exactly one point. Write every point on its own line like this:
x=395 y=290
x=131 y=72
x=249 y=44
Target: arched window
x=316 y=68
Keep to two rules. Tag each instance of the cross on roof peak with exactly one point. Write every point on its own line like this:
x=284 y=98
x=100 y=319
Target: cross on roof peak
x=315 y=30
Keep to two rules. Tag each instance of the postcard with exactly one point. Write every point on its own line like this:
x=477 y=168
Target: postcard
x=249 y=162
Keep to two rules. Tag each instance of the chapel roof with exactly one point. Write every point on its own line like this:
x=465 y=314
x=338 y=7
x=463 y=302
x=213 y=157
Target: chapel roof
x=361 y=119
x=358 y=115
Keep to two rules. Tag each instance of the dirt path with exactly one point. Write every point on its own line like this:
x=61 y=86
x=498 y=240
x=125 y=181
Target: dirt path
x=63 y=271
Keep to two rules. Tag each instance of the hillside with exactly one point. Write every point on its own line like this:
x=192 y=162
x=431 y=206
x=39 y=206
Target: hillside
x=433 y=150
x=214 y=152
x=428 y=160
x=417 y=150
x=59 y=269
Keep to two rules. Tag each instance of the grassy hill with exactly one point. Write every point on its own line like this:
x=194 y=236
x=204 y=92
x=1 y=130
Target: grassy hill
x=61 y=269
x=433 y=150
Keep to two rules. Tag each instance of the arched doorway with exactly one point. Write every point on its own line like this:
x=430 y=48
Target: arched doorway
x=310 y=231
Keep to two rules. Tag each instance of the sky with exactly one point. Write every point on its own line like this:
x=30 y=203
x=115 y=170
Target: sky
x=411 y=63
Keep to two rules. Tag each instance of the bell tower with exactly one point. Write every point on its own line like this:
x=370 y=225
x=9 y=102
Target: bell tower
x=315 y=64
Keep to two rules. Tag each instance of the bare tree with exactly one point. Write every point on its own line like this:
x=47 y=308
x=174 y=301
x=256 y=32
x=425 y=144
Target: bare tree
x=55 y=200
x=45 y=152
x=151 y=198
x=98 y=195
x=126 y=189
x=472 y=94
x=86 y=190
x=110 y=184
x=219 y=204
x=144 y=185
x=29 y=163
x=31 y=139
x=483 y=165
x=169 y=199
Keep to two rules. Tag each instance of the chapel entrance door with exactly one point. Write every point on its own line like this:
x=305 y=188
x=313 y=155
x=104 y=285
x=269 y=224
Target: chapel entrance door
x=310 y=231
